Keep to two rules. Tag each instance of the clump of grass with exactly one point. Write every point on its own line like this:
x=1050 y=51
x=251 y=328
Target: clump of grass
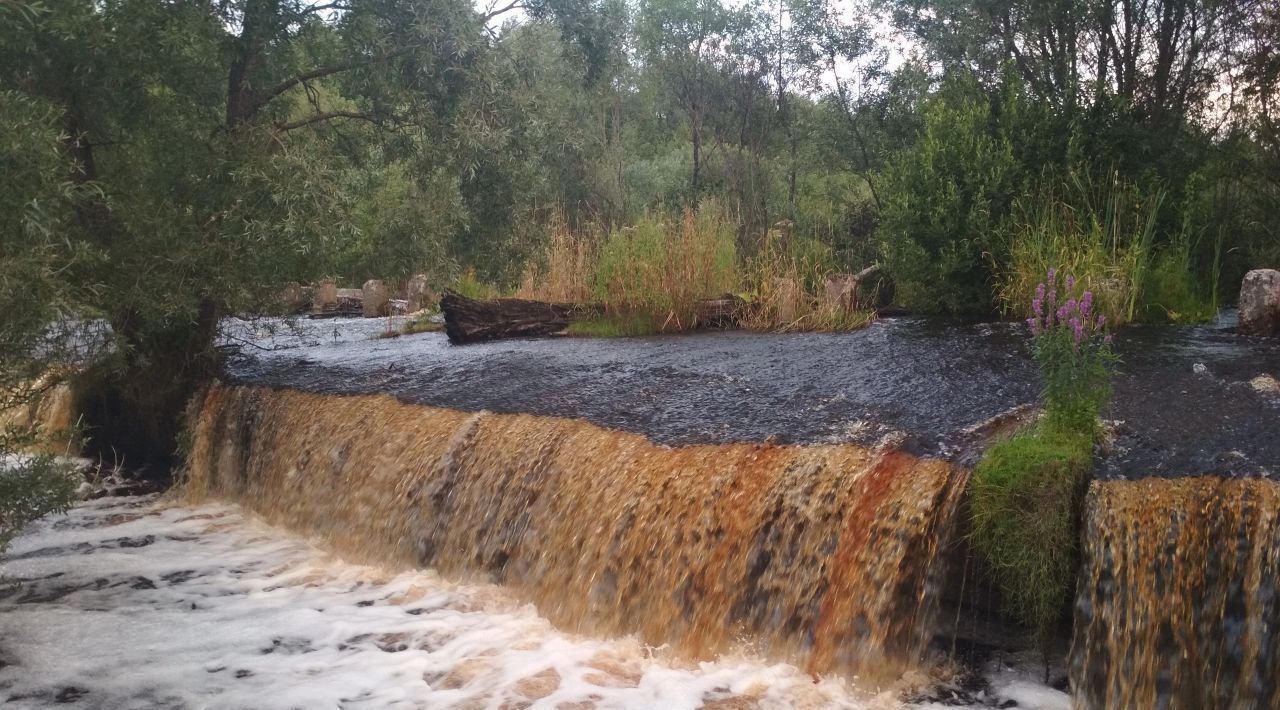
x=1025 y=493
x=1105 y=232
x=650 y=276
x=788 y=281
x=565 y=273
x=1024 y=496
x=422 y=322
x=470 y=286
x=658 y=269
x=617 y=326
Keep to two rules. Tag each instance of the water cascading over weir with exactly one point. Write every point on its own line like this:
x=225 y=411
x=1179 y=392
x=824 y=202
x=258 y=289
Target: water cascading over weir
x=826 y=555
x=1178 y=605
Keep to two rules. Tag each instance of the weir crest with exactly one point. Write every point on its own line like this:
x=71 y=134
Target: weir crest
x=829 y=556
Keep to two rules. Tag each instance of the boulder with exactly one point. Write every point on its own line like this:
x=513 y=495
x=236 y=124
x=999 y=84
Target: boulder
x=1265 y=384
x=374 y=299
x=418 y=294
x=1260 y=303
x=842 y=292
x=325 y=299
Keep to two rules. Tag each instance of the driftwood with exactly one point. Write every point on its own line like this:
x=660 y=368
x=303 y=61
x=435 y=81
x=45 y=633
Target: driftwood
x=467 y=320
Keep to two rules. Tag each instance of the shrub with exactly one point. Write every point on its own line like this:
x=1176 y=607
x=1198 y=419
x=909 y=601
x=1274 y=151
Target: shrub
x=30 y=488
x=945 y=198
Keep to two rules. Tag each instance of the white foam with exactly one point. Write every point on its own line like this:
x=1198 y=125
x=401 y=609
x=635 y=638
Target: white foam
x=134 y=603
x=140 y=603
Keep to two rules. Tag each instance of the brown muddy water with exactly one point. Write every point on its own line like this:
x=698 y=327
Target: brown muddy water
x=797 y=495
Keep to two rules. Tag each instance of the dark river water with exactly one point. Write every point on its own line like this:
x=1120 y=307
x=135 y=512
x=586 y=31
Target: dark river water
x=1183 y=402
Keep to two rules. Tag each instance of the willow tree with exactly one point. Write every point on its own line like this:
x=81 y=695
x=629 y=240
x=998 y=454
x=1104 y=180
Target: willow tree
x=218 y=139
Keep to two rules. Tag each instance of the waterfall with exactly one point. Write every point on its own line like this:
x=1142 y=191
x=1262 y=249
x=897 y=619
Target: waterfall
x=1177 y=604
x=830 y=556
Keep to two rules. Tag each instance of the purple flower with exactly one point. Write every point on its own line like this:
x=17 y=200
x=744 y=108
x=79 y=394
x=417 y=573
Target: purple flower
x=1053 y=273
x=1035 y=325
x=1071 y=282
x=1102 y=321
x=1086 y=302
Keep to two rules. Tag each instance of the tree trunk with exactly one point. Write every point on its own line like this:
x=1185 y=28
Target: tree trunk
x=467 y=320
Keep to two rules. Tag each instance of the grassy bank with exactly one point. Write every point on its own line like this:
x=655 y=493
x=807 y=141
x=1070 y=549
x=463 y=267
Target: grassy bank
x=652 y=275
x=1105 y=232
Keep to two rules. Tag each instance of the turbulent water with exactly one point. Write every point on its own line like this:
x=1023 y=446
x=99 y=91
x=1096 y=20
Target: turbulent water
x=825 y=555
x=1178 y=605
x=132 y=604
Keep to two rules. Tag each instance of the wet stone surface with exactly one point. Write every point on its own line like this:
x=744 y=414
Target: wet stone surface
x=1183 y=403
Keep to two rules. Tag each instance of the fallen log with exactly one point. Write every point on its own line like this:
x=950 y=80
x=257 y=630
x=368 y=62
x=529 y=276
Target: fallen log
x=467 y=320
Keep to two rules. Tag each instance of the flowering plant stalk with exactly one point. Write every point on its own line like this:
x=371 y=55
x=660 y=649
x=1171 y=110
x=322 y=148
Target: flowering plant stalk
x=1074 y=352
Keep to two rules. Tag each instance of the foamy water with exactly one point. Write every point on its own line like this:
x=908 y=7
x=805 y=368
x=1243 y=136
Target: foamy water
x=133 y=603
x=140 y=603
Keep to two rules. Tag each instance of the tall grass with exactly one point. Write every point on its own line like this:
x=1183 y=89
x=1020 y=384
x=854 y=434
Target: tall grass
x=788 y=280
x=564 y=273
x=658 y=269
x=1107 y=233
x=651 y=275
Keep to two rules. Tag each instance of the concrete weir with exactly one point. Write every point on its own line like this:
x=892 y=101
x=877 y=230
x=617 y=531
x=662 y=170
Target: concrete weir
x=826 y=555
x=624 y=488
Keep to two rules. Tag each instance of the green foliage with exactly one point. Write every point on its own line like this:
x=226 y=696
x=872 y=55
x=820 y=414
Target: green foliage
x=470 y=286
x=615 y=326
x=654 y=272
x=1105 y=232
x=1025 y=492
x=945 y=200
x=1023 y=497
x=30 y=488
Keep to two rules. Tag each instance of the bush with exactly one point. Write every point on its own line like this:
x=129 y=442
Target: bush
x=30 y=488
x=945 y=199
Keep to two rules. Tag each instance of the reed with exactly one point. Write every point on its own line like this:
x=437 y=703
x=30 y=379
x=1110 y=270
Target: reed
x=1108 y=233
x=652 y=274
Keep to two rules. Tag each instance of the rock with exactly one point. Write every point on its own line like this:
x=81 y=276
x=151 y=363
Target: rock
x=1260 y=303
x=1265 y=384
x=842 y=292
x=1199 y=368
x=419 y=294
x=325 y=299
x=786 y=300
x=374 y=299
x=296 y=297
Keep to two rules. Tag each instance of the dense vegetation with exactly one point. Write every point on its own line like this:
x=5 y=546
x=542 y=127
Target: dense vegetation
x=1026 y=490
x=166 y=163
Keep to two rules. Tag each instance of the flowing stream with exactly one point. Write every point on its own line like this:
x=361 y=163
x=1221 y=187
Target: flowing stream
x=722 y=521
